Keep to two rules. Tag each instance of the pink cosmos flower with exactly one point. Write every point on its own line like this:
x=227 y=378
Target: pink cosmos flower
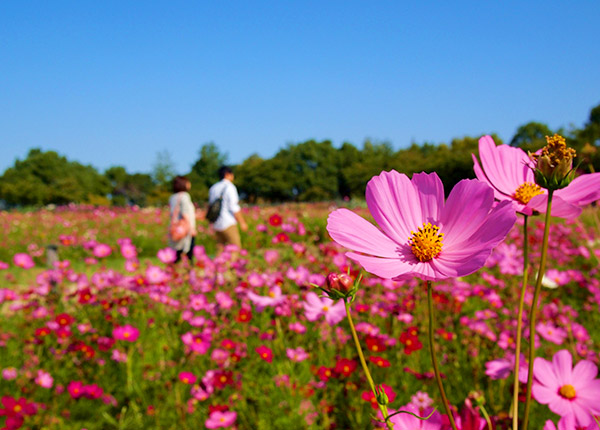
x=126 y=332
x=567 y=390
x=23 y=261
x=44 y=379
x=421 y=235
x=102 y=250
x=219 y=419
x=167 y=255
x=265 y=353
x=187 y=378
x=509 y=171
x=129 y=251
x=551 y=333
x=274 y=297
x=296 y=354
x=315 y=307
x=9 y=373
x=198 y=343
x=406 y=421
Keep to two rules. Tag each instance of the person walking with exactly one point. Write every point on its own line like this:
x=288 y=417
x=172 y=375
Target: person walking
x=226 y=225
x=180 y=204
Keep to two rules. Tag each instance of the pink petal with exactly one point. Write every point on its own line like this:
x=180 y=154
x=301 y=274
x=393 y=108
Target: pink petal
x=431 y=195
x=460 y=262
x=584 y=190
x=544 y=373
x=466 y=208
x=395 y=205
x=584 y=373
x=356 y=233
x=386 y=268
x=582 y=415
x=560 y=406
x=566 y=422
x=504 y=166
x=589 y=394
x=560 y=207
x=492 y=231
x=563 y=367
x=480 y=175
x=542 y=394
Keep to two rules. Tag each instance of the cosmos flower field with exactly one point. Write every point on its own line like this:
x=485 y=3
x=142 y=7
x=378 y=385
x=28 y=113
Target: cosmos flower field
x=112 y=335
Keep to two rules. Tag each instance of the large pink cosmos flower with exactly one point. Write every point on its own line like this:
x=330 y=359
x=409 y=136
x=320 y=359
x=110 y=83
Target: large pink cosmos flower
x=567 y=390
x=421 y=235
x=509 y=171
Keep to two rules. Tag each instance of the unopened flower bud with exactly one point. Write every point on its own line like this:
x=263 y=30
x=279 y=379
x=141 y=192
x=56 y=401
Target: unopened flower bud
x=341 y=282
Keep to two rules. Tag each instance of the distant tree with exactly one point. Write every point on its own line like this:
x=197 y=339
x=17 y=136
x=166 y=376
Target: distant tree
x=252 y=178
x=163 y=170
x=531 y=136
x=207 y=166
x=46 y=177
x=587 y=142
x=128 y=189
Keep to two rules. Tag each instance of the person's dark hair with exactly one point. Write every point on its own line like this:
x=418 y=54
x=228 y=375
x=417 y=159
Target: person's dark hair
x=180 y=183
x=223 y=170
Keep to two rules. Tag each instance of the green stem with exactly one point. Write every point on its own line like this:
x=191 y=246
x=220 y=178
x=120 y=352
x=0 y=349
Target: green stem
x=534 y=306
x=520 y=324
x=382 y=408
x=436 y=370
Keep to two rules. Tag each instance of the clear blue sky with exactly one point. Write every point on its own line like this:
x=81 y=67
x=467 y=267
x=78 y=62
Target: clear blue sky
x=116 y=82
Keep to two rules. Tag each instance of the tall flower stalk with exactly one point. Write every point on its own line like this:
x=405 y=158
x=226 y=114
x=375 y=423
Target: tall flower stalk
x=379 y=395
x=533 y=311
x=520 y=324
x=436 y=370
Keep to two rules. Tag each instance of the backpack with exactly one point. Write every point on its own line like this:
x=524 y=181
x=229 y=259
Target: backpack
x=214 y=209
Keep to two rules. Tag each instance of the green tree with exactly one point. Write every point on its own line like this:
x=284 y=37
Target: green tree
x=531 y=136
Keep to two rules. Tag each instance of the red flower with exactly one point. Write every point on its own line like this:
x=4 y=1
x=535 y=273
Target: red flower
x=222 y=379
x=379 y=361
x=275 y=220
x=375 y=344
x=324 y=373
x=64 y=320
x=345 y=366
x=265 y=353
x=244 y=315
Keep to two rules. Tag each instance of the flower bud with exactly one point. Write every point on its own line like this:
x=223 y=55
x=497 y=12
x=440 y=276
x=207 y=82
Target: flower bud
x=341 y=282
x=554 y=164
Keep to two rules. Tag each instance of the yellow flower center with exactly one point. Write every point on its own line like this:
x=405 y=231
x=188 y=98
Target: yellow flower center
x=526 y=192
x=426 y=243
x=557 y=150
x=567 y=391
x=325 y=308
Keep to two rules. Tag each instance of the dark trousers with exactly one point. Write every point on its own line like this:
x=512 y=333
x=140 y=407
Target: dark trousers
x=190 y=253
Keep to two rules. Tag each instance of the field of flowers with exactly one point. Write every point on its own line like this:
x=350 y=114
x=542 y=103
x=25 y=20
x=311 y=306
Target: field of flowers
x=115 y=336
x=102 y=330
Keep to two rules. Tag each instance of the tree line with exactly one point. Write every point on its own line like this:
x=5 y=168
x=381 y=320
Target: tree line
x=306 y=171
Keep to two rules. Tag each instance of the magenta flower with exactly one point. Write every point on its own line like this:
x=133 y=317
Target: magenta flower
x=315 y=307
x=551 y=333
x=126 y=332
x=23 y=261
x=509 y=171
x=44 y=379
x=421 y=235
x=296 y=354
x=265 y=353
x=567 y=390
x=102 y=250
x=167 y=255
x=219 y=419
x=187 y=378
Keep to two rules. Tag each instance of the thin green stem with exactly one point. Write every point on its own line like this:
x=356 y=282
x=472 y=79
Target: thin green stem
x=382 y=408
x=520 y=324
x=534 y=306
x=436 y=370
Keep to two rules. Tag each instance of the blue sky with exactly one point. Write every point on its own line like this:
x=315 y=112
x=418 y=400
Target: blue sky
x=116 y=82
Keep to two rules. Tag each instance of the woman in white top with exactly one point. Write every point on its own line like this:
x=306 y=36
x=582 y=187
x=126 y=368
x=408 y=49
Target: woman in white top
x=181 y=199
